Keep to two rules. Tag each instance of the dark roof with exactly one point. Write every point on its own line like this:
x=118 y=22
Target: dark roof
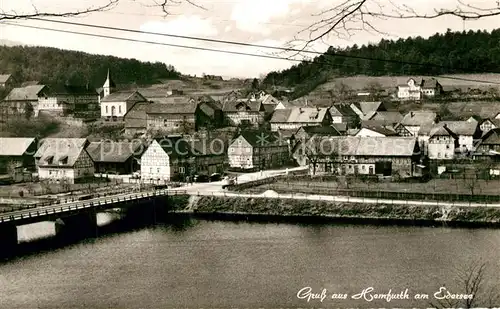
x=174 y=108
x=441 y=129
x=387 y=117
x=209 y=108
x=175 y=146
x=342 y=110
x=321 y=130
x=259 y=138
x=430 y=83
x=269 y=108
x=492 y=137
x=341 y=127
x=247 y=105
x=114 y=151
x=136 y=117
x=29 y=93
x=121 y=96
x=382 y=129
x=73 y=90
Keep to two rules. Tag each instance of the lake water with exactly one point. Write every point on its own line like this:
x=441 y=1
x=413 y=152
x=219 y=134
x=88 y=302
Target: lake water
x=212 y=264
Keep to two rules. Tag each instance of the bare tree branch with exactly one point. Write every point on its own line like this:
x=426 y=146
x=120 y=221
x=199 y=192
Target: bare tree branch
x=11 y=15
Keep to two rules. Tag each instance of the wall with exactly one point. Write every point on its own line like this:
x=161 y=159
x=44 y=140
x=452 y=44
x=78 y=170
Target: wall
x=155 y=163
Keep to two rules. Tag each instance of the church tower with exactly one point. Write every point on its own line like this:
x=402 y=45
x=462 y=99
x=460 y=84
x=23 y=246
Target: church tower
x=109 y=85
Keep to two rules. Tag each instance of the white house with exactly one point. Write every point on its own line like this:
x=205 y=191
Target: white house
x=116 y=105
x=410 y=91
x=64 y=159
x=294 y=118
x=442 y=143
x=166 y=159
x=465 y=131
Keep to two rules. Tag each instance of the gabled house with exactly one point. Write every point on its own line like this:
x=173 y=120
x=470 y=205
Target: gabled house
x=173 y=118
x=387 y=118
x=257 y=150
x=343 y=113
x=366 y=110
x=18 y=98
x=136 y=120
x=78 y=98
x=107 y=88
x=64 y=159
x=466 y=132
x=17 y=155
x=210 y=154
x=490 y=143
x=349 y=155
x=414 y=120
x=375 y=130
x=488 y=124
x=116 y=158
x=6 y=80
x=211 y=114
x=294 y=118
x=167 y=159
x=247 y=112
x=442 y=143
x=415 y=89
x=115 y=105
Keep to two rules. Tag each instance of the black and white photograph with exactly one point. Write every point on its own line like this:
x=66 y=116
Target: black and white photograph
x=249 y=154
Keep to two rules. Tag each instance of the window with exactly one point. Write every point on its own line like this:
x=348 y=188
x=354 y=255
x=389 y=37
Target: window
x=439 y=155
x=120 y=109
x=158 y=170
x=107 y=109
x=447 y=146
x=182 y=169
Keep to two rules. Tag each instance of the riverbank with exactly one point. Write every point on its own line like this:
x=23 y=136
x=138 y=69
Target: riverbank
x=272 y=209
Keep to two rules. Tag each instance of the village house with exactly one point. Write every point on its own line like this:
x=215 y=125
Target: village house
x=173 y=118
x=16 y=156
x=442 y=143
x=210 y=155
x=6 y=81
x=257 y=150
x=349 y=155
x=413 y=121
x=79 y=98
x=244 y=112
x=211 y=113
x=387 y=118
x=64 y=159
x=305 y=133
x=51 y=105
x=136 y=120
x=343 y=113
x=366 y=110
x=488 y=124
x=115 y=157
x=294 y=118
x=415 y=89
x=115 y=105
x=489 y=148
x=375 y=130
x=466 y=132
x=167 y=159
x=18 y=98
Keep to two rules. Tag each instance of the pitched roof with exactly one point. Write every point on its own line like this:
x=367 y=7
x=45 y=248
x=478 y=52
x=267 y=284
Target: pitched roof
x=15 y=146
x=173 y=99
x=302 y=115
x=118 y=152
x=280 y=115
x=175 y=146
x=341 y=127
x=4 y=78
x=342 y=110
x=367 y=107
x=259 y=138
x=430 y=83
x=364 y=146
x=418 y=118
x=492 y=137
x=25 y=93
x=60 y=152
x=382 y=129
x=136 y=117
x=269 y=108
x=242 y=105
x=121 y=96
x=174 y=108
x=320 y=130
x=441 y=129
x=461 y=127
x=73 y=90
x=387 y=117
x=209 y=108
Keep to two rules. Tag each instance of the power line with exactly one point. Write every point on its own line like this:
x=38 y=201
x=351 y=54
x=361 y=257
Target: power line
x=295 y=50
x=220 y=50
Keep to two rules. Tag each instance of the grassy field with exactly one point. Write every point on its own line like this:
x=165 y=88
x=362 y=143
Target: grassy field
x=482 y=81
x=445 y=186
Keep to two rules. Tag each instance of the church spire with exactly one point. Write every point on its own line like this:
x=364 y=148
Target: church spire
x=109 y=85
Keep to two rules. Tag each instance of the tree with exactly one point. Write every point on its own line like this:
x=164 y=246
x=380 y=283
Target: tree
x=350 y=16
x=341 y=91
x=28 y=111
x=255 y=84
x=375 y=89
x=472 y=280
x=7 y=14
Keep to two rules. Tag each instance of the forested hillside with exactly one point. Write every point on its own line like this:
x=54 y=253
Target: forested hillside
x=452 y=52
x=55 y=66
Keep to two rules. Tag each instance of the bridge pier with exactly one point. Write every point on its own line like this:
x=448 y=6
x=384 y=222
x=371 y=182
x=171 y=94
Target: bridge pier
x=8 y=239
x=77 y=227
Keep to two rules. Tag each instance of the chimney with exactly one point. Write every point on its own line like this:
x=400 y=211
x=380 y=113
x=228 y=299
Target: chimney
x=412 y=114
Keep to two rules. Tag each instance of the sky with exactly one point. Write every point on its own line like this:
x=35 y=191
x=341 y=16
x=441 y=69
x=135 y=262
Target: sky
x=260 y=22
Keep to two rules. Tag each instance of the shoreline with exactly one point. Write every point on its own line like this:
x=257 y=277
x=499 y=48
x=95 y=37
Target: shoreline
x=262 y=209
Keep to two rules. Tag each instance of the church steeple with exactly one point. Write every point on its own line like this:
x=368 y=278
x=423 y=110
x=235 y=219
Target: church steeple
x=109 y=85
